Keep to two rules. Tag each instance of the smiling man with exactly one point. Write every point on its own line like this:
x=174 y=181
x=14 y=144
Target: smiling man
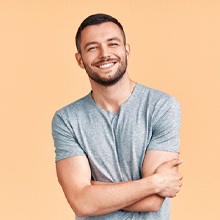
x=107 y=70
x=116 y=148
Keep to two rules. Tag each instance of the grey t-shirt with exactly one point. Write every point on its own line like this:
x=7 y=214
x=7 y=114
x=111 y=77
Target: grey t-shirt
x=115 y=143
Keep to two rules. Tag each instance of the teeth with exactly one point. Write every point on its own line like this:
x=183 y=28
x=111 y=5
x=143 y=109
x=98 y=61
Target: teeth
x=106 y=65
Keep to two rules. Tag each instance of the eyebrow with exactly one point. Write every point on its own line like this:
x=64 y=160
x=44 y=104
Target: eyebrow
x=95 y=42
x=114 y=38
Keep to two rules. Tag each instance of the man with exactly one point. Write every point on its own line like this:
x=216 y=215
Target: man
x=116 y=148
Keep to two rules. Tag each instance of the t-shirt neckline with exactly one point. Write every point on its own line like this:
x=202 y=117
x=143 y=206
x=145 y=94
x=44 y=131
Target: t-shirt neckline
x=129 y=100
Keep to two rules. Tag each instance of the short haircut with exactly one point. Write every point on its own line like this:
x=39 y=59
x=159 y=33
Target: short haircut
x=96 y=19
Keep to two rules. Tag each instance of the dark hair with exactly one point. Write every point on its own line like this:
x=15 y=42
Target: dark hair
x=94 y=20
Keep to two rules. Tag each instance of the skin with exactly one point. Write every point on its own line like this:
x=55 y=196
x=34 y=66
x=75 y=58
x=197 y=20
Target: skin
x=104 y=48
x=103 y=56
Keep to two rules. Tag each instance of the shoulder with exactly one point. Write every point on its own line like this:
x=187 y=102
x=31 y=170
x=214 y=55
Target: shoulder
x=157 y=98
x=74 y=108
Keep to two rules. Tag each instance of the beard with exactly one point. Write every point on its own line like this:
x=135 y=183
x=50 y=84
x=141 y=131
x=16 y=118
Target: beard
x=108 y=80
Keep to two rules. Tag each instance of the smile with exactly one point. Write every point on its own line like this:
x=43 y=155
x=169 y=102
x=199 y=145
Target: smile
x=106 y=65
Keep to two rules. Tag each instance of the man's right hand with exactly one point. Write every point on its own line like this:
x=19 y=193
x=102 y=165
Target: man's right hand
x=168 y=179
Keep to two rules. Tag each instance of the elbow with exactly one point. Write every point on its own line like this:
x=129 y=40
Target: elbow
x=155 y=207
x=77 y=211
x=156 y=204
x=81 y=205
x=80 y=211
x=83 y=210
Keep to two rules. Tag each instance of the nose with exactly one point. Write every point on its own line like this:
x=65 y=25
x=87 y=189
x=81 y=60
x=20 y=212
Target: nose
x=104 y=52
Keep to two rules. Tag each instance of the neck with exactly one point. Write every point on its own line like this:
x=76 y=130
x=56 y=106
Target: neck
x=110 y=98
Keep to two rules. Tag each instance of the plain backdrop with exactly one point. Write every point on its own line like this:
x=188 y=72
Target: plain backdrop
x=175 y=47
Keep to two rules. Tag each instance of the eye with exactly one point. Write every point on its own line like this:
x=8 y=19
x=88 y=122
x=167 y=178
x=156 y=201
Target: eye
x=92 y=48
x=113 y=44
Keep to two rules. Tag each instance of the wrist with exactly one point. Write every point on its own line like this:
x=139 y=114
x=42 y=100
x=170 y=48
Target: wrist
x=155 y=181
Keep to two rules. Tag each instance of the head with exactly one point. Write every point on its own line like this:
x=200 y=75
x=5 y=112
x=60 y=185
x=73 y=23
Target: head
x=102 y=49
x=95 y=20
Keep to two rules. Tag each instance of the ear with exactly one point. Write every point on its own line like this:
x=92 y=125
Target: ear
x=127 y=50
x=79 y=60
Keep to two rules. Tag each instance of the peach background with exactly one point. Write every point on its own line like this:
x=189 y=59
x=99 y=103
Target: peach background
x=175 y=48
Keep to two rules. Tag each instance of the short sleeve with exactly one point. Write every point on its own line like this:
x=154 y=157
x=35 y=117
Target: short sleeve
x=65 y=142
x=166 y=126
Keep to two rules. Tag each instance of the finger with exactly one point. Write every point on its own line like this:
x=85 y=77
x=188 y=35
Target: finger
x=175 y=162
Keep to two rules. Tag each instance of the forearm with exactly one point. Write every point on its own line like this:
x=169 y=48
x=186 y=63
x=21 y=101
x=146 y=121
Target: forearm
x=105 y=198
x=87 y=199
x=150 y=203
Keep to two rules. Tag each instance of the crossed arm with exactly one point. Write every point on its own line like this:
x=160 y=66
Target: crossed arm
x=153 y=159
x=88 y=198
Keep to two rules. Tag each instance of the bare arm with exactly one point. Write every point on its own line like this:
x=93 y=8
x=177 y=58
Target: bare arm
x=74 y=175
x=152 y=161
x=85 y=199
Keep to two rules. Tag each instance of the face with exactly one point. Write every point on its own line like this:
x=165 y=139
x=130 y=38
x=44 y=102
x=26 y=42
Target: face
x=103 y=53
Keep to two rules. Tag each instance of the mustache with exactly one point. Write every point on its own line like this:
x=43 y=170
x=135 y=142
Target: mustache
x=105 y=60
